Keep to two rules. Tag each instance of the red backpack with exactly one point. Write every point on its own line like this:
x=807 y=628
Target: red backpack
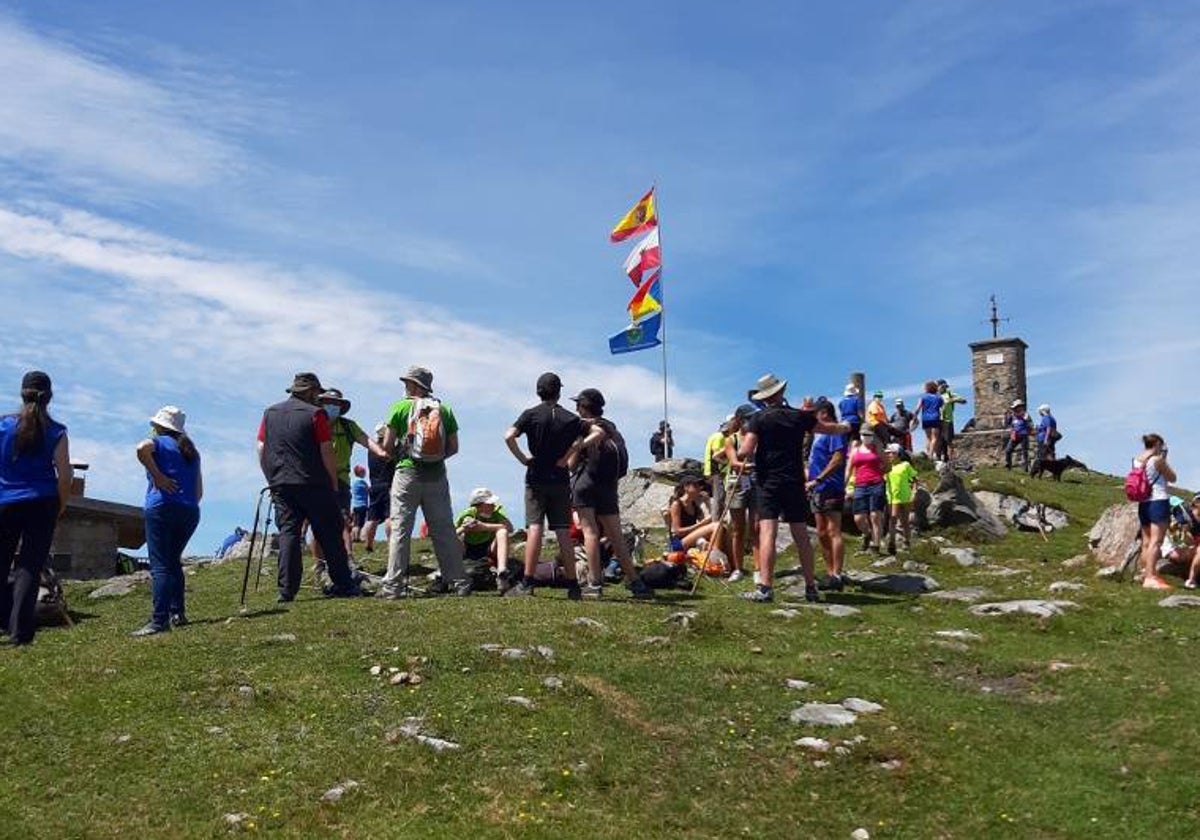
x=1137 y=484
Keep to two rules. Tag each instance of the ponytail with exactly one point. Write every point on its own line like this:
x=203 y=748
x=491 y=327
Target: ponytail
x=186 y=448
x=33 y=421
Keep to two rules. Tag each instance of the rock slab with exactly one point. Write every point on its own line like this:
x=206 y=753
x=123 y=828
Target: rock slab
x=1029 y=606
x=823 y=714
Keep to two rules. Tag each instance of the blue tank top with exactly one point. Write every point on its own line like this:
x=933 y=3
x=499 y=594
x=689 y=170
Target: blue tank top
x=171 y=462
x=30 y=475
x=930 y=408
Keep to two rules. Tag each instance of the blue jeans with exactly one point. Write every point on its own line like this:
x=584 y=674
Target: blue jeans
x=168 y=529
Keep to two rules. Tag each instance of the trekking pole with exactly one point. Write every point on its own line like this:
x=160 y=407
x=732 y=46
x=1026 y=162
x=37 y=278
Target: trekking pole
x=266 y=540
x=253 y=535
x=717 y=533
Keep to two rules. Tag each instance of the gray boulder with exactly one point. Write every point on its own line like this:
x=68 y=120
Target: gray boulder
x=1180 y=601
x=1023 y=514
x=121 y=585
x=643 y=499
x=673 y=469
x=823 y=714
x=893 y=584
x=965 y=594
x=953 y=504
x=1030 y=606
x=1115 y=539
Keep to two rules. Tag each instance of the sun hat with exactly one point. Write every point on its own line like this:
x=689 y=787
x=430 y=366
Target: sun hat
x=482 y=496
x=419 y=376
x=893 y=448
x=899 y=400
x=850 y=390
x=1044 y=408
x=592 y=397
x=306 y=381
x=333 y=395
x=768 y=385
x=171 y=418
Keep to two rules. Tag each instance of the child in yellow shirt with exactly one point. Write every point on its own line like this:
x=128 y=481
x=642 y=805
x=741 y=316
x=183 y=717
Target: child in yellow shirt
x=902 y=485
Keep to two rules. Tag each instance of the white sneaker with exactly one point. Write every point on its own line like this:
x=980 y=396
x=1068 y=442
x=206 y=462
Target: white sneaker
x=735 y=575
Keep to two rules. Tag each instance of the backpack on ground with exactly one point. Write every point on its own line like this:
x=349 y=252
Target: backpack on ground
x=426 y=435
x=1137 y=484
x=51 y=608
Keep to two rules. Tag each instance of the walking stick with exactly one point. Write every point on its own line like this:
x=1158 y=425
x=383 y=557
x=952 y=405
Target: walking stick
x=266 y=540
x=253 y=535
x=717 y=533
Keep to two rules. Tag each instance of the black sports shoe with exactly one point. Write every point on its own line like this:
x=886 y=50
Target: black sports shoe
x=574 y=593
x=835 y=584
x=639 y=590
x=760 y=594
x=524 y=589
x=179 y=620
x=811 y=595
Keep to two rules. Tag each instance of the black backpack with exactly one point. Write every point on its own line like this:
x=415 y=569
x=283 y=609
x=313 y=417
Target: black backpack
x=622 y=451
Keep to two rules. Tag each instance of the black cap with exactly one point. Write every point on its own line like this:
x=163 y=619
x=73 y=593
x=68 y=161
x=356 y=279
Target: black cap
x=744 y=410
x=549 y=385
x=306 y=381
x=591 y=397
x=36 y=380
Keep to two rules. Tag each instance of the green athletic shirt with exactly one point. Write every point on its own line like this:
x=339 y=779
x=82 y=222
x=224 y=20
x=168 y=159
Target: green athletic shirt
x=344 y=432
x=715 y=444
x=480 y=537
x=900 y=480
x=398 y=421
x=948 y=399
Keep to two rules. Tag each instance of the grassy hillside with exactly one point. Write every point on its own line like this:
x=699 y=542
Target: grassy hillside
x=1078 y=726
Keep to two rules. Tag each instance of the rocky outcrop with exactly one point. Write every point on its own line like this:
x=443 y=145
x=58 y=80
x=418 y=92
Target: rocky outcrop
x=643 y=499
x=951 y=503
x=673 y=469
x=1115 y=539
x=1022 y=513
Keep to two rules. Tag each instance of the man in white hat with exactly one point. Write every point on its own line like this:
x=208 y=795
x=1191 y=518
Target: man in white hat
x=1019 y=423
x=773 y=438
x=483 y=528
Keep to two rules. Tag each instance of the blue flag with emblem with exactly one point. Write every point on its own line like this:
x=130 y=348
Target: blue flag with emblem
x=640 y=336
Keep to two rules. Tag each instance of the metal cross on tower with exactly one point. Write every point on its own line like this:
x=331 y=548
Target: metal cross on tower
x=996 y=320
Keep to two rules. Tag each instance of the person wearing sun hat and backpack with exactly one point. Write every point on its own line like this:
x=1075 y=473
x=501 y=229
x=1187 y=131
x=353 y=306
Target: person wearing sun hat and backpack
x=173 y=492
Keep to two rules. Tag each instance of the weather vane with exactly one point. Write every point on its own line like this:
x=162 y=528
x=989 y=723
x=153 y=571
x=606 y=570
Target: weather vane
x=996 y=320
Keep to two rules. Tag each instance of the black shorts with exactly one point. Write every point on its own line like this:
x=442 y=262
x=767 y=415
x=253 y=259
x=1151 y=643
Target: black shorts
x=380 y=507
x=603 y=499
x=785 y=502
x=827 y=503
x=550 y=503
x=947 y=431
x=360 y=516
x=478 y=551
x=931 y=424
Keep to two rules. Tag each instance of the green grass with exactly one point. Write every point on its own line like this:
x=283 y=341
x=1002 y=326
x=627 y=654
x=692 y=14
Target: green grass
x=103 y=735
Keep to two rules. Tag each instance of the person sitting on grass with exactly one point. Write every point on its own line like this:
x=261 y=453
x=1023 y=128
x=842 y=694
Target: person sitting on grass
x=691 y=517
x=484 y=529
x=901 y=488
x=1190 y=553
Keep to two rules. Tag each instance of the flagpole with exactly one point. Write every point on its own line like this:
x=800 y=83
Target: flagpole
x=662 y=294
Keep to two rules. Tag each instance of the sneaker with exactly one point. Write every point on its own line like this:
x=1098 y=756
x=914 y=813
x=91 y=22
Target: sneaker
x=866 y=543
x=397 y=593
x=639 y=590
x=285 y=598
x=891 y=547
x=179 y=620
x=342 y=592
x=834 y=583
x=151 y=629
x=735 y=576
x=503 y=582
x=588 y=592
x=523 y=589
x=811 y=595
x=760 y=595
x=461 y=588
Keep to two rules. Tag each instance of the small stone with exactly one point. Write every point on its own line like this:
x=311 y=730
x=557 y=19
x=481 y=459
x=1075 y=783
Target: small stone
x=961 y=635
x=123 y=739
x=229 y=621
x=1076 y=562
x=891 y=764
x=785 y=613
x=820 y=763
x=860 y=706
x=376 y=670
x=857 y=739
x=1065 y=586
x=553 y=683
x=1059 y=666
x=914 y=566
x=756 y=649
x=655 y=640
x=884 y=562
x=1109 y=572
x=939 y=540
x=1041 y=609
x=798 y=685
x=415 y=679
x=235 y=820
x=513 y=653
x=590 y=623
x=544 y=652
x=683 y=618
x=860 y=834
x=393 y=670
x=400 y=678
x=246 y=691
x=335 y=793
x=965 y=557
x=215 y=730
x=1175 y=601
x=814 y=744
x=491 y=647
x=823 y=714
x=282 y=638
x=523 y=702
x=839 y=750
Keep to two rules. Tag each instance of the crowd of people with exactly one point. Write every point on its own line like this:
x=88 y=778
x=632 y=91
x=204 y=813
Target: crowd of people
x=768 y=464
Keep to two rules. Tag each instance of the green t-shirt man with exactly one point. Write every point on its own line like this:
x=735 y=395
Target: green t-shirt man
x=398 y=421
x=344 y=432
x=496 y=517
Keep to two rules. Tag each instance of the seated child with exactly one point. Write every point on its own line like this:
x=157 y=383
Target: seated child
x=484 y=528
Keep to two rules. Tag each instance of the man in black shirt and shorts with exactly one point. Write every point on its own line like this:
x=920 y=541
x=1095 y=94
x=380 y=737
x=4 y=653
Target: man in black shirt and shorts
x=549 y=431
x=773 y=438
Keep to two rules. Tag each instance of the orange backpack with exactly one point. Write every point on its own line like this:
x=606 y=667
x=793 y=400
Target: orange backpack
x=426 y=436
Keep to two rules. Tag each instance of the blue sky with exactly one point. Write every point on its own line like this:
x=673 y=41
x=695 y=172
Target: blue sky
x=198 y=200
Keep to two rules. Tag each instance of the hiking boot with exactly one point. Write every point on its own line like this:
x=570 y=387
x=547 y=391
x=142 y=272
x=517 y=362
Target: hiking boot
x=151 y=629
x=578 y=593
x=523 y=589
x=179 y=620
x=891 y=547
x=461 y=588
x=760 y=595
x=639 y=590
x=811 y=595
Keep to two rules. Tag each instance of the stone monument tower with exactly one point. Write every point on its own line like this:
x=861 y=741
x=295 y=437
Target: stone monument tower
x=998 y=373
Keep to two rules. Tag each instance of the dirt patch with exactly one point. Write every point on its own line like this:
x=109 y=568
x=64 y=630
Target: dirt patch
x=1021 y=686
x=626 y=708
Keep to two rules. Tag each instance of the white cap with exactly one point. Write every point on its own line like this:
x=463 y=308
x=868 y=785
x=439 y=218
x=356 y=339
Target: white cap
x=851 y=390
x=482 y=496
x=171 y=418
x=1043 y=409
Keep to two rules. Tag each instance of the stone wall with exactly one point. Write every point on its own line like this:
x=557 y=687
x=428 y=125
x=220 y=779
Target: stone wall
x=983 y=449
x=998 y=371
x=85 y=546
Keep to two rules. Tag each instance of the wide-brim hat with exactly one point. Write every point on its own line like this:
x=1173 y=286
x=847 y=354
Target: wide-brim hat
x=171 y=418
x=333 y=395
x=482 y=496
x=768 y=385
x=850 y=390
x=419 y=376
x=1017 y=403
x=305 y=381
x=1043 y=409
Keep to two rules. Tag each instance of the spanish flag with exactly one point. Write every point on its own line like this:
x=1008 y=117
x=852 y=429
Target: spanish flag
x=648 y=298
x=640 y=219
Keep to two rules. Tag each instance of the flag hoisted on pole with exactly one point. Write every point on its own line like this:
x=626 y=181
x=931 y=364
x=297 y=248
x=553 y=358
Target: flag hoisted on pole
x=647 y=312
x=638 y=220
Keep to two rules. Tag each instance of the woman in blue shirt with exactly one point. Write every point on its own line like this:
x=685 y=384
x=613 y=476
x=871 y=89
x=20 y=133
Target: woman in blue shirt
x=929 y=409
x=35 y=483
x=173 y=492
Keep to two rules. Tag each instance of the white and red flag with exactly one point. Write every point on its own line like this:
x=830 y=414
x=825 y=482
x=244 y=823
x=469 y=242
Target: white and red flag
x=646 y=256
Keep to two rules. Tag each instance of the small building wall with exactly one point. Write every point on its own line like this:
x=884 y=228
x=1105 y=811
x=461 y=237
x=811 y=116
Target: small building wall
x=998 y=372
x=85 y=546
